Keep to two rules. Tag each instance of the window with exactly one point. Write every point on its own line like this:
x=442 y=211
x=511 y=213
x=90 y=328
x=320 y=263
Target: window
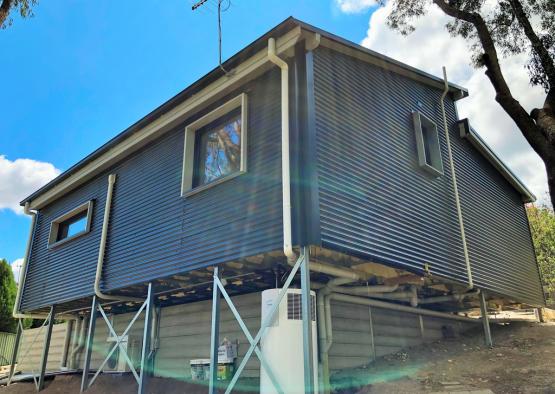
x=71 y=225
x=215 y=147
x=427 y=144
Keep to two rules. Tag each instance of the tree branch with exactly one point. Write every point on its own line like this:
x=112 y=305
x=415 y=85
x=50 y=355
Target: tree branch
x=537 y=45
x=5 y=11
x=503 y=95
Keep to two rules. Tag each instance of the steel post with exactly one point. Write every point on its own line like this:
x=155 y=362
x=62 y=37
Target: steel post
x=306 y=306
x=485 y=319
x=88 y=345
x=46 y=347
x=18 y=335
x=215 y=333
x=143 y=380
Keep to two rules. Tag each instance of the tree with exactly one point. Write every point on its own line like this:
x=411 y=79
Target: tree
x=8 y=290
x=542 y=226
x=508 y=27
x=24 y=7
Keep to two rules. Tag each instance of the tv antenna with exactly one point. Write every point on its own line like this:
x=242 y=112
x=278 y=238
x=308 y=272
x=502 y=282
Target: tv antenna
x=199 y=4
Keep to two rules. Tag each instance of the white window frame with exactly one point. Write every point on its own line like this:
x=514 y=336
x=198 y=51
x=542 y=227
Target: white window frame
x=436 y=167
x=187 y=188
x=55 y=224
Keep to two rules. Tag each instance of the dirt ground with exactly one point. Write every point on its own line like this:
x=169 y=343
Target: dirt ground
x=522 y=361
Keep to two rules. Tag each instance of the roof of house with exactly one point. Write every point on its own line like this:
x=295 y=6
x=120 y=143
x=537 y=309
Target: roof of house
x=233 y=62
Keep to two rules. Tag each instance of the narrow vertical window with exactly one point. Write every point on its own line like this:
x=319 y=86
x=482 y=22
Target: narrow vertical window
x=427 y=144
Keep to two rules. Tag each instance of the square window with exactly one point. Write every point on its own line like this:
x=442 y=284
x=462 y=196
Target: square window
x=218 y=149
x=71 y=225
x=215 y=147
x=427 y=144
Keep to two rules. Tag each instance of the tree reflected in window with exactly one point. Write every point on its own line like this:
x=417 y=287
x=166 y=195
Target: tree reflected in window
x=218 y=150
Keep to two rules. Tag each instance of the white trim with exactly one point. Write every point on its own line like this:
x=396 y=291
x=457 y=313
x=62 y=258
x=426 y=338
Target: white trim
x=54 y=225
x=187 y=188
x=420 y=145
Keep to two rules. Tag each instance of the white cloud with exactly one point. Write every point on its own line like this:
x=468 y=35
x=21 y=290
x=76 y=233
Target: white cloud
x=16 y=269
x=429 y=48
x=21 y=177
x=355 y=6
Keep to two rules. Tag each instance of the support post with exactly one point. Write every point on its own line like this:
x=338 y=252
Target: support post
x=18 y=334
x=306 y=303
x=67 y=344
x=89 y=345
x=372 y=334
x=46 y=347
x=215 y=334
x=485 y=319
x=143 y=379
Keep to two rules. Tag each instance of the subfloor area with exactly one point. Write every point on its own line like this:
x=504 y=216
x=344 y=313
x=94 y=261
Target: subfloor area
x=522 y=361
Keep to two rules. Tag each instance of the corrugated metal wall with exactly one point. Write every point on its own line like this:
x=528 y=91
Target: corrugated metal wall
x=377 y=203
x=154 y=232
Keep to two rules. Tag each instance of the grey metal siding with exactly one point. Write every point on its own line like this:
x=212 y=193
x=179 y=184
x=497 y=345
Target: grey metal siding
x=154 y=232
x=377 y=203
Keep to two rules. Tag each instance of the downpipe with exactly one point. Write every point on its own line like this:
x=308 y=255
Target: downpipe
x=102 y=247
x=16 y=313
x=454 y=179
x=285 y=159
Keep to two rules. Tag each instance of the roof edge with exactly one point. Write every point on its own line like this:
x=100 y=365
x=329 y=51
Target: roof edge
x=466 y=131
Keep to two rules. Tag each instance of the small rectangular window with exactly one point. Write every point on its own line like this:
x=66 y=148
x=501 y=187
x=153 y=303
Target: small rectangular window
x=71 y=225
x=215 y=147
x=427 y=144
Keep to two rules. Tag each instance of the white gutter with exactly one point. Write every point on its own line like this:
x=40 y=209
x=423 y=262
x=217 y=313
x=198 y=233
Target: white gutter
x=454 y=179
x=102 y=247
x=285 y=162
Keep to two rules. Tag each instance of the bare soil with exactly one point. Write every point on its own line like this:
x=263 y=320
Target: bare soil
x=522 y=361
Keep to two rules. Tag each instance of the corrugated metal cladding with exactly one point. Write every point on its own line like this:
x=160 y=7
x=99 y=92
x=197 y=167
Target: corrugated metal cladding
x=377 y=203
x=154 y=232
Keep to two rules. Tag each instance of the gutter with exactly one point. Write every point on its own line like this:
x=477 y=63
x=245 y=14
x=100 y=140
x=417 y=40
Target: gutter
x=454 y=179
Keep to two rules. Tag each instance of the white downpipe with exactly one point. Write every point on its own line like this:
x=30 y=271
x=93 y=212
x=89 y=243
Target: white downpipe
x=17 y=314
x=454 y=178
x=285 y=160
x=102 y=247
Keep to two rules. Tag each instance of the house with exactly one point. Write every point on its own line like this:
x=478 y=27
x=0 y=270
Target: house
x=312 y=155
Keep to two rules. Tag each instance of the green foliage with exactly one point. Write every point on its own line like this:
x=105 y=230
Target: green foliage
x=8 y=290
x=542 y=226
x=8 y=7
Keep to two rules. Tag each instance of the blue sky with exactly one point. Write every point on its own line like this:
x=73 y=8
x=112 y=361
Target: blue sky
x=80 y=72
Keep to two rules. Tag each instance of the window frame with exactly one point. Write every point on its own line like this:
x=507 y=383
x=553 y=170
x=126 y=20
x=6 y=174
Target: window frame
x=55 y=224
x=190 y=145
x=434 y=168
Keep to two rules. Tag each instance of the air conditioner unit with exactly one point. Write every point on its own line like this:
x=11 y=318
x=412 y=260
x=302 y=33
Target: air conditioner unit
x=117 y=362
x=282 y=345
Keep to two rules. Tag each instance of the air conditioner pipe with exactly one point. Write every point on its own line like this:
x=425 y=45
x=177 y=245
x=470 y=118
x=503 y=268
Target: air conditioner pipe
x=447 y=298
x=454 y=180
x=102 y=247
x=17 y=314
x=83 y=324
